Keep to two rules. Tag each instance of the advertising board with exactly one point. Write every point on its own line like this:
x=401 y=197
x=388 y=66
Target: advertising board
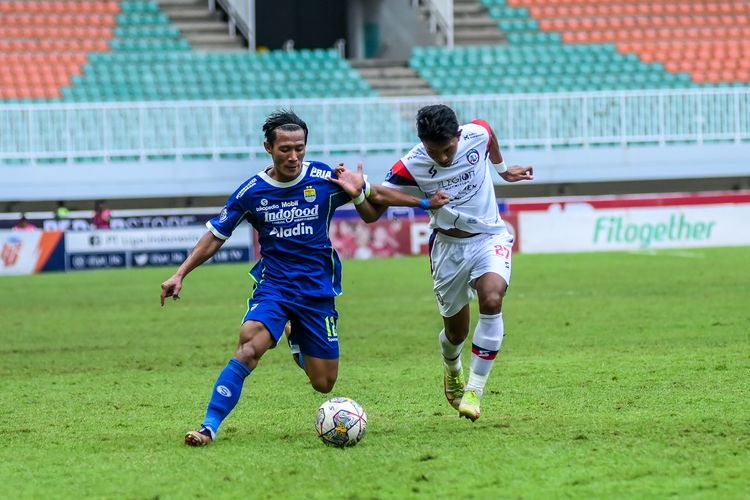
x=147 y=247
x=591 y=230
x=27 y=252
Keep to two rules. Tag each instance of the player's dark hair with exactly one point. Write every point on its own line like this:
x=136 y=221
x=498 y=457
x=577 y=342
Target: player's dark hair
x=436 y=123
x=285 y=120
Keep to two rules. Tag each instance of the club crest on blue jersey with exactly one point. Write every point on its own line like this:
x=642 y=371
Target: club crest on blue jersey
x=472 y=157
x=310 y=194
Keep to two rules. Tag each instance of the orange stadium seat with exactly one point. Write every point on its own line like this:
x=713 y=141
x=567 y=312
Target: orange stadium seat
x=44 y=43
x=706 y=38
x=48 y=48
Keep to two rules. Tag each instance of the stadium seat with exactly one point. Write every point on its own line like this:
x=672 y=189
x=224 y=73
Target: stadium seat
x=614 y=45
x=130 y=50
x=666 y=23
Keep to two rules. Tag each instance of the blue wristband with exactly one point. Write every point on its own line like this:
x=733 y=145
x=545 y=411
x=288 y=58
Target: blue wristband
x=424 y=203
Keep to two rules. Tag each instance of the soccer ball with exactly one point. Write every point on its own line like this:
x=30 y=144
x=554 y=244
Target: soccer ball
x=341 y=422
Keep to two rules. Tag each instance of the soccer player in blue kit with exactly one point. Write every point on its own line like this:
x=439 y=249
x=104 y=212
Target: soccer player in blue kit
x=290 y=204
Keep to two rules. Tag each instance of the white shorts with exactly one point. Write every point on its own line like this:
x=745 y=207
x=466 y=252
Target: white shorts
x=458 y=262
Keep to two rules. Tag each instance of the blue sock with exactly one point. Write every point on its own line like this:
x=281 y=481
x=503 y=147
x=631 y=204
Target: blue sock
x=225 y=395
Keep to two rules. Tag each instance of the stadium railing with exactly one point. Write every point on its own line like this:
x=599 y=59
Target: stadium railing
x=132 y=131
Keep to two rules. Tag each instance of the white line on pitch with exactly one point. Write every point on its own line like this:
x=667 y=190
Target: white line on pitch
x=663 y=253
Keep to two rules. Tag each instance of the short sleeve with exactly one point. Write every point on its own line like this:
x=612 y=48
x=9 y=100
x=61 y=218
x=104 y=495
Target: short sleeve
x=400 y=178
x=231 y=215
x=487 y=128
x=339 y=197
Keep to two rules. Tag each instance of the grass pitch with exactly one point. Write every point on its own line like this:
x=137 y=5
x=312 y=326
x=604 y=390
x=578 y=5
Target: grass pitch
x=621 y=375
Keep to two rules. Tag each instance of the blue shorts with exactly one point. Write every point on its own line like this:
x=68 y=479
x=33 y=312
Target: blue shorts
x=313 y=320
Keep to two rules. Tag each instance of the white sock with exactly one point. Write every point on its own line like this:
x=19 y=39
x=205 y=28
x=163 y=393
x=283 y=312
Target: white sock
x=477 y=382
x=451 y=353
x=488 y=337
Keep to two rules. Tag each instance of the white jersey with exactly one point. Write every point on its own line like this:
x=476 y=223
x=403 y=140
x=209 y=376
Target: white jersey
x=468 y=182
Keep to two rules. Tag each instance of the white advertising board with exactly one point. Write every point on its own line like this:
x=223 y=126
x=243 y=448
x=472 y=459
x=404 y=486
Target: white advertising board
x=145 y=239
x=593 y=230
x=147 y=247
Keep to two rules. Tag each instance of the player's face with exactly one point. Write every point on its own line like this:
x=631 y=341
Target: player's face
x=287 y=152
x=442 y=152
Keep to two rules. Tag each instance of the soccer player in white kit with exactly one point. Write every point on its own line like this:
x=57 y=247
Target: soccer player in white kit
x=470 y=247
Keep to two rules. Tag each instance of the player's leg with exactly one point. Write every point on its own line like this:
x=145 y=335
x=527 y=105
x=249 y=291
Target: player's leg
x=321 y=372
x=493 y=263
x=451 y=276
x=264 y=317
x=254 y=341
x=486 y=341
x=313 y=329
x=451 y=339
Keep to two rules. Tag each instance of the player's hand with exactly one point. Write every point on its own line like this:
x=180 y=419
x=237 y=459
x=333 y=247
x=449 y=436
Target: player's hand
x=438 y=200
x=171 y=288
x=350 y=182
x=517 y=173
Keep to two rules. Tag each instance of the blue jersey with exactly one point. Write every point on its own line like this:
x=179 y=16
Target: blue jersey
x=292 y=221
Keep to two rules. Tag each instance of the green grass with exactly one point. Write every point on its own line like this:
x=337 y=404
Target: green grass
x=621 y=375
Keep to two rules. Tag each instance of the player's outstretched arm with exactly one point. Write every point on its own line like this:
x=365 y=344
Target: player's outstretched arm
x=387 y=197
x=350 y=182
x=517 y=173
x=372 y=204
x=513 y=173
x=353 y=184
x=206 y=247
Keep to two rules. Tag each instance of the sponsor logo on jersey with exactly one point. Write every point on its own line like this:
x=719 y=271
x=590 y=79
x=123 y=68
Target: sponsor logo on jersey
x=246 y=187
x=467 y=190
x=432 y=171
x=223 y=215
x=293 y=214
x=319 y=172
x=456 y=181
x=286 y=232
x=471 y=135
x=472 y=157
x=267 y=208
x=264 y=202
x=310 y=194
